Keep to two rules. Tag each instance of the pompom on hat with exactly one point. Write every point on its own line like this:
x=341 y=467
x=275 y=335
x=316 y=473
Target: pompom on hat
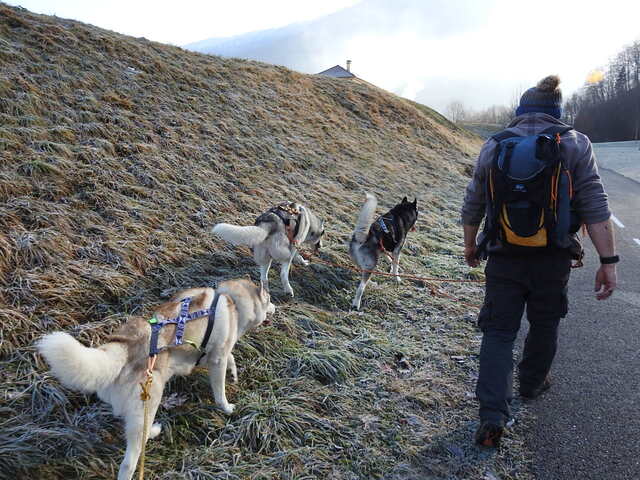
x=545 y=97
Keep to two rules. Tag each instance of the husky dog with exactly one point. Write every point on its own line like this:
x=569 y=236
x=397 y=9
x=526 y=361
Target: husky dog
x=386 y=234
x=116 y=369
x=276 y=236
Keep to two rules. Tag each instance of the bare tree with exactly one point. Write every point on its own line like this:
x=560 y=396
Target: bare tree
x=456 y=111
x=495 y=115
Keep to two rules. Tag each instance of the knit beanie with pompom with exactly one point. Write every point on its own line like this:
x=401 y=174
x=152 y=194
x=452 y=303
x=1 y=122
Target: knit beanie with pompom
x=545 y=97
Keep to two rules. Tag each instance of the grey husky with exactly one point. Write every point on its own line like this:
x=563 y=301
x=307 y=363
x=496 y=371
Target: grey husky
x=116 y=369
x=276 y=235
x=387 y=233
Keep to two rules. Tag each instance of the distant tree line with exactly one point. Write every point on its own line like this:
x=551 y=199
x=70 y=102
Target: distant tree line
x=457 y=112
x=607 y=108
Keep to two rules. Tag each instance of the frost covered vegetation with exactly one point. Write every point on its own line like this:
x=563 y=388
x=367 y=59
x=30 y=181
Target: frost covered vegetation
x=119 y=154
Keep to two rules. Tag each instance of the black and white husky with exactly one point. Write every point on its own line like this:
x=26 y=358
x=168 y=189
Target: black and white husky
x=386 y=234
x=276 y=235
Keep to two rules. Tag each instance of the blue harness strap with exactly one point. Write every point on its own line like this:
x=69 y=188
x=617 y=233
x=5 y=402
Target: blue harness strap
x=155 y=332
x=180 y=321
x=383 y=225
x=385 y=228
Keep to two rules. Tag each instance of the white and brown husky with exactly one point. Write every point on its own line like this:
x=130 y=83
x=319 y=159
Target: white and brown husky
x=276 y=235
x=217 y=318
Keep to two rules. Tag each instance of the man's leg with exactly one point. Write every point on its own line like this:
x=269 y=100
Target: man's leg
x=499 y=321
x=539 y=351
x=546 y=305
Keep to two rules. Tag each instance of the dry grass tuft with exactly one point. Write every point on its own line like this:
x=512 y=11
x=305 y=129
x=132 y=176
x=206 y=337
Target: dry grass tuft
x=119 y=154
x=328 y=366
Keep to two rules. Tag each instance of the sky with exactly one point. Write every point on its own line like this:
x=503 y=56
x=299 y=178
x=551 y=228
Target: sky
x=481 y=52
x=179 y=22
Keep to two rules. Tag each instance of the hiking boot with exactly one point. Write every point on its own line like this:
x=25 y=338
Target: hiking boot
x=489 y=434
x=533 y=393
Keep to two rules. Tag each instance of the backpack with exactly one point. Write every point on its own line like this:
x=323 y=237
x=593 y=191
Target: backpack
x=529 y=192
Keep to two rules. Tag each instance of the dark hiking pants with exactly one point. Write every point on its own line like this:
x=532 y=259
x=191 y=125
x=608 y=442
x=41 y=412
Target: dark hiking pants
x=538 y=282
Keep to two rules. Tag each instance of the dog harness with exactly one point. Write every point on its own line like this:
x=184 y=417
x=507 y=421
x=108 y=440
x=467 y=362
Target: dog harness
x=287 y=213
x=180 y=322
x=388 y=231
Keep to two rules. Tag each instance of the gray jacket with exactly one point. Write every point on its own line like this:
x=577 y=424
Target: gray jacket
x=589 y=200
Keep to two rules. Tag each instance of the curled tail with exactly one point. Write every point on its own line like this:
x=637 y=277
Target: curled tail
x=365 y=218
x=79 y=367
x=303 y=225
x=249 y=236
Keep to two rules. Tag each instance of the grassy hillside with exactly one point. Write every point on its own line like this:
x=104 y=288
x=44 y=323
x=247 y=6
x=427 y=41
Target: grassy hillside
x=119 y=154
x=484 y=130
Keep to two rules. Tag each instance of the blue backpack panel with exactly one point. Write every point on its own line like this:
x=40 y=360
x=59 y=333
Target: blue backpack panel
x=529 y=192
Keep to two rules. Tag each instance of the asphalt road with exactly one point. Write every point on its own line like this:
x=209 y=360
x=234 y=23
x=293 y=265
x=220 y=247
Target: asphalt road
x=588 y=424
x=622 y=157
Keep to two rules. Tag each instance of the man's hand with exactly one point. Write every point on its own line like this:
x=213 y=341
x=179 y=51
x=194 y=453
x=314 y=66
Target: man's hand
x=470 y=249
x=606 y=281
x=470 y=256
x=603 y=239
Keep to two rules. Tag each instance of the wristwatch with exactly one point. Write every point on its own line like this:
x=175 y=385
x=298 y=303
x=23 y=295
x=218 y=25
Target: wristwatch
x=609 y=260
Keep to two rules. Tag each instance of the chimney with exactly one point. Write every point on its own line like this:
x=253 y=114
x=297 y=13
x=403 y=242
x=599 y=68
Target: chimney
x=348 y=65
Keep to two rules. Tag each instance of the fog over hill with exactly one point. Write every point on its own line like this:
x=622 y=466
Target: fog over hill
x=319 y=44
x=436 y=51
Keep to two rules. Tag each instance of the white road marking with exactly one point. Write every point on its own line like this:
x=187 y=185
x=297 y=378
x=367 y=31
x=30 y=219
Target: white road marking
x=637 y=241
x=616 y=221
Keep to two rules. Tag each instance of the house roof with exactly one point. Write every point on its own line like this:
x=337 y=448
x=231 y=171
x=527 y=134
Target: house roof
x=337 y=72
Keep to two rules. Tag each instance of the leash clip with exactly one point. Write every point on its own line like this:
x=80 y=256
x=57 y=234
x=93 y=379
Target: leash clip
x=151 y=363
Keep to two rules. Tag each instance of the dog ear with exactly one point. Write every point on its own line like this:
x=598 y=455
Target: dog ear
x=404 y=200
x=415 y=202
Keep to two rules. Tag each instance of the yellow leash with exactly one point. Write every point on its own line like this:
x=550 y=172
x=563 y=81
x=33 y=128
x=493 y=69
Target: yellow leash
x=145 y=395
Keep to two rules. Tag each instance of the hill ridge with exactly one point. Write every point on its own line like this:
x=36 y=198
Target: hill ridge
x=118 y=154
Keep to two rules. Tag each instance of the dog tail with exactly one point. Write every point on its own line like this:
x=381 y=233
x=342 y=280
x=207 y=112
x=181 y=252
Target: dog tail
x=79 y=367
x=365 y=218
x=249 y=236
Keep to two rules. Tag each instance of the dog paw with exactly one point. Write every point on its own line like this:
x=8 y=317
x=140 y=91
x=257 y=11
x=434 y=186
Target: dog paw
x=301 y=261
x=228 y=408
x=155 y=430
x=289 y=291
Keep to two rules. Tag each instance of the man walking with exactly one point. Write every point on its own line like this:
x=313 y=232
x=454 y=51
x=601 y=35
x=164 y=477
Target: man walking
x=534 y=184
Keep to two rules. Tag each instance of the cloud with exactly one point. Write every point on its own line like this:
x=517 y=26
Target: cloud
x=435 y=51
x=382 y=38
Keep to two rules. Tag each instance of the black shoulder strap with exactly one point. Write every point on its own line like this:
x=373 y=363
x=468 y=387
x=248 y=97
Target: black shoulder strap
x=210 y=322
x=503 y=135
x=556 y=129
